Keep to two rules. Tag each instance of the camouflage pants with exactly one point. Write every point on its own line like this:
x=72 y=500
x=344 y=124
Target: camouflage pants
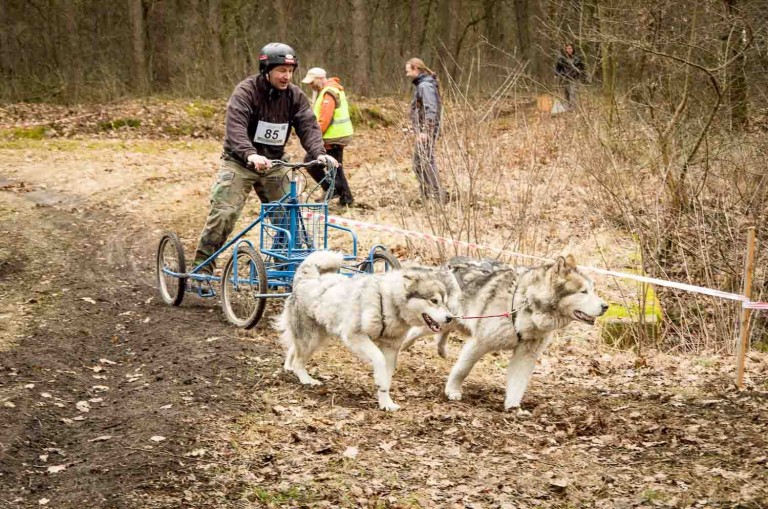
x=228 y=196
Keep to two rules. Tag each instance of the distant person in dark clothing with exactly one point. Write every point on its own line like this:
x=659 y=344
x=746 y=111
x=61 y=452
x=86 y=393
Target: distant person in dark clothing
x=425 y=112
x=570 y=70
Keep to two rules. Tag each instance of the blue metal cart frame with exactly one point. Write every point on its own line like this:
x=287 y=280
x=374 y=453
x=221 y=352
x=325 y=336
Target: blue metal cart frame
x=289 y=231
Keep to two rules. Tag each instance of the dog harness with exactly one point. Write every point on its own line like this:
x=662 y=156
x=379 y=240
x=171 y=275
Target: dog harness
x=509 y=314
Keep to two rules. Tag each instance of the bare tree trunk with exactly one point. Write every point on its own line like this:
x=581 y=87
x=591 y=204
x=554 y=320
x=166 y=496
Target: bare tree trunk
x=139 y=45
x=213 y=25
x=416 y=27
x=495 y=14
x=449 y=11
x=360 y=49
x=608 y=60
x=73 y=69
x=159 y=58
x=283 y=19
x=494 y=23
x=523 y=25
x=736 y=42
x=5 y=49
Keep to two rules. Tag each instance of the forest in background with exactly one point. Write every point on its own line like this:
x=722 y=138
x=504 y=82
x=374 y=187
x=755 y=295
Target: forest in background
x=90 y=50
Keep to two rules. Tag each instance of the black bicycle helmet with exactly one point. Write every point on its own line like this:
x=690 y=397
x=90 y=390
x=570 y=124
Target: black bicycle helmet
x=274 y=54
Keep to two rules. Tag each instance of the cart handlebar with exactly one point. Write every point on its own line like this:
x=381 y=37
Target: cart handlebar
x=286 y=164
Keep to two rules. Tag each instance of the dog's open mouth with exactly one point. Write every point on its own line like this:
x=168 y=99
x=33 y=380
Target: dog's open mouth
x=433 y=325
x=584 y=317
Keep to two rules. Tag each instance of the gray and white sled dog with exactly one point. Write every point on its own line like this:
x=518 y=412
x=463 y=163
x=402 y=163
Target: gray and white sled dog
x=371 y=313
x=540 y=300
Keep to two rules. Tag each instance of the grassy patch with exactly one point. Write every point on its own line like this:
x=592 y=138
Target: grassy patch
x=276 y=497
x=706 y=362
x=182 y=129
x=200 y=110
x=370 y=116
x=140 y=146
x=119 y=123
x=651 y=495
x=24 y=133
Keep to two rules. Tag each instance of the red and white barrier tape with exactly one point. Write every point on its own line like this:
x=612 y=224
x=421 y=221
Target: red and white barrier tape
x=745 y=302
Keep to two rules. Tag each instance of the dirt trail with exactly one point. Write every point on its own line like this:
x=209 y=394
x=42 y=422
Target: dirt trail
x=95 y=354
x=93 y=367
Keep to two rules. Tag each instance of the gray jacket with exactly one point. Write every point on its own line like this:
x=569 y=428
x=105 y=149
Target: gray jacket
x=426 y=107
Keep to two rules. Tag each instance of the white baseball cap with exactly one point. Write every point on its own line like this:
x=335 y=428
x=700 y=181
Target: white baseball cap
x=315 y=72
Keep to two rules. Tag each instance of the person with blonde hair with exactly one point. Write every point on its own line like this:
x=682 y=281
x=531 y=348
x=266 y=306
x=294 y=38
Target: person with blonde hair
x=425 y=113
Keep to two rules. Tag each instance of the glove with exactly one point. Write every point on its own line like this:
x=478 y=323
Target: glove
x=258 y=162
x=330 y=162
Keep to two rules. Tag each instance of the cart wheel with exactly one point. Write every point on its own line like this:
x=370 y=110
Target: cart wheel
x=170 y=256
x=383 y=261
x=237 y=297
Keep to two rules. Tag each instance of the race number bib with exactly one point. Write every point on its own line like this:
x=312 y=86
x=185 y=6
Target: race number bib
x=271 y=134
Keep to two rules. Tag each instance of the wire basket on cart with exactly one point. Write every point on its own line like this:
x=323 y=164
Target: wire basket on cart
x=293 y=232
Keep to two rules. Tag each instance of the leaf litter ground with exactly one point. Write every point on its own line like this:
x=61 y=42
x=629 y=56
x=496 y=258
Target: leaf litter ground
x=109 y=398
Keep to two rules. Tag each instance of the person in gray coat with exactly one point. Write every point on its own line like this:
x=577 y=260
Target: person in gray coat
x=425 y=112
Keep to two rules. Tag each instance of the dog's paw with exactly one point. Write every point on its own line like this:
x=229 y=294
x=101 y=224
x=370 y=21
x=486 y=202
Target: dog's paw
x=517 y=411
x=514 y=406
x=453 y=394
x=386 y=403
x=390 y=406
x=442 y=351
x=308 y=380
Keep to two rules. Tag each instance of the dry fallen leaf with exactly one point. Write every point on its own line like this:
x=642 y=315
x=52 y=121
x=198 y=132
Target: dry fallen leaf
x=387 y=446
x=157 y=438
x=54 y=469
x=88 y=300
x=83 y=406
x=558 y=485
x=43 y=501
x=101 y=438
x=350 y=452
